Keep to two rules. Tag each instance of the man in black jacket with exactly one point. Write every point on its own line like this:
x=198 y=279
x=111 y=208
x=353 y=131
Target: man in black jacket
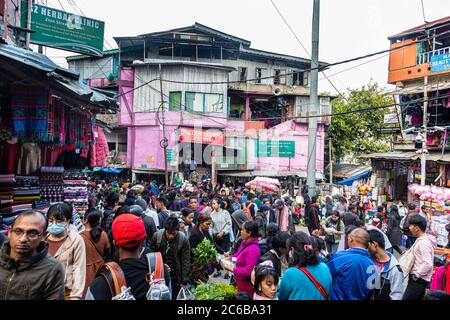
x=129 y=235
x=27 y=271
x=112 y=203
x=262 y=221
x=271 y=216
x=312 y=217
x=176 y=251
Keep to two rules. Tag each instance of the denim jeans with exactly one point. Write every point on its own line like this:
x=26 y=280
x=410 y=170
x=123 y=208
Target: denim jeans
x=332 y=248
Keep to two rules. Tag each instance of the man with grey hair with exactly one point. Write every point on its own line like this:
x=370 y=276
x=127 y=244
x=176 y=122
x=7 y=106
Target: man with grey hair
x=27 y=271
x=353 y=272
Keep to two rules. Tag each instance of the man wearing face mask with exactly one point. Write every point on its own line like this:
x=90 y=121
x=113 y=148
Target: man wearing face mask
x=27 y=272
x=68 y=247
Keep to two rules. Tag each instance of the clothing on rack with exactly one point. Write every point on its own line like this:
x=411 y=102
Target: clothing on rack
x=9 y=157
x=30 y=113
x=30 y=159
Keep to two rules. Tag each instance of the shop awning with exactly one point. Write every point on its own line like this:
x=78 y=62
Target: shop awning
x=275 y=174
x=439 y=157
x=346 y=170
x=419 y=88
x=396 y=155
x=13 y=59
x=35 y=60
x=349 y=182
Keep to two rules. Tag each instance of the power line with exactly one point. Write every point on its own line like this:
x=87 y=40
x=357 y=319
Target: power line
x=318 y=68
x=304 y=48
x=62 y=7
x=75 y=6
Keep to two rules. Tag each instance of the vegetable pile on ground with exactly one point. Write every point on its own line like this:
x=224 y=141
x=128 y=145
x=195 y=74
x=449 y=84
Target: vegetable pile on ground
x=215 y=291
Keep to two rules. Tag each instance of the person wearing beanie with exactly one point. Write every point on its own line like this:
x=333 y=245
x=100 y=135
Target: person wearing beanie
x=147 y=211
x=129 y=235
x=149 y=223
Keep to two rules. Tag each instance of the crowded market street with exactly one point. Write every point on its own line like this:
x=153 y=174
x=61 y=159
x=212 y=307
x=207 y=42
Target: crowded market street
x=181 y=163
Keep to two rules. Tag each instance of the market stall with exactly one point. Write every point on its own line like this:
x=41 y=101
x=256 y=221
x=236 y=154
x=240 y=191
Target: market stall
x=47 y=127
x=438 y=199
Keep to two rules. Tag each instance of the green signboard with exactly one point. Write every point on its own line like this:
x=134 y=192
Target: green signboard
x=275 y=149
x=63 y=30
x=170 y=155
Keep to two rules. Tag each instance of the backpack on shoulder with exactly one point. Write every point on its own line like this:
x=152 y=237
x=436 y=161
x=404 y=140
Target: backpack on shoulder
x=115 y=279
x=158 y=289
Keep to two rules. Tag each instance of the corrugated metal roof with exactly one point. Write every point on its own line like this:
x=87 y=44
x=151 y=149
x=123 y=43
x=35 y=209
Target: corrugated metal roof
x=34 y=59
x=273 y=55
x=421 y=28
x=396 y=155
x=183 y=62
x=345 y=170
x=64 y=77
x=84 y=56
x=199 y=27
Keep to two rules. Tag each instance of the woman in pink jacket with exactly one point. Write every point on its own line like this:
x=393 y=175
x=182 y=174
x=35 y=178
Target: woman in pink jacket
x=247 y=258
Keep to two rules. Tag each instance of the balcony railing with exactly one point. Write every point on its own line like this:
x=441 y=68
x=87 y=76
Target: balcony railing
x=424 y=58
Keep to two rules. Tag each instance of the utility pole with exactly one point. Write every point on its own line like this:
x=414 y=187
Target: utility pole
x=165 y=143
x=5 y=20
x=331 y=161
x=314 y=101
x=424 y=133
x=28 y=35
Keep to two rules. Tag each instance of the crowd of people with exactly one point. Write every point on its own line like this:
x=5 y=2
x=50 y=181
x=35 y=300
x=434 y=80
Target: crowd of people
x=341 y=254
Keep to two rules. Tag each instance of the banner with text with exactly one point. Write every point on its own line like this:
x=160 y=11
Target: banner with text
x=63 y=30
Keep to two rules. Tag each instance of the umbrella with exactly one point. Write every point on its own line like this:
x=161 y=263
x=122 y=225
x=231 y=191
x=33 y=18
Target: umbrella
x=265 y=183
x=139 y=188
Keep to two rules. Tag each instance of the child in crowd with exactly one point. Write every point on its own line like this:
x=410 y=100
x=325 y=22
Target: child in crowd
x=266 y=283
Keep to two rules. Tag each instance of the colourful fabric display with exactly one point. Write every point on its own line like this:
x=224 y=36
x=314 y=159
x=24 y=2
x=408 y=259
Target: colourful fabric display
x=100 y=149
x=30 y=113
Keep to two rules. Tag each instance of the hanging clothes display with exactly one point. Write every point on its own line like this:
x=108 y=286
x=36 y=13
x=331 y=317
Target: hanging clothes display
x=9 y=156
x=100 y=149
x=30 y=159
x=30 y=113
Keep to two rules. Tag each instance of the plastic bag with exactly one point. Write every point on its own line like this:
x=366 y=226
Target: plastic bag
x=185 y=294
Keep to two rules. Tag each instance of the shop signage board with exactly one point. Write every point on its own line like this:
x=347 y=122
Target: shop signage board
x=191 y=135
x=275 y=149
x=391 y=119
x=440 y=63
x=170 y=154
x=64 y=30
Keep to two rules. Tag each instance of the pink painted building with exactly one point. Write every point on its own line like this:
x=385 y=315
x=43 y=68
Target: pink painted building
x=227 y=106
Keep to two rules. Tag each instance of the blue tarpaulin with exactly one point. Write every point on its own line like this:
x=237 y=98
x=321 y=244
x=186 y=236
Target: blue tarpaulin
x=349 y=182
x=107 y=170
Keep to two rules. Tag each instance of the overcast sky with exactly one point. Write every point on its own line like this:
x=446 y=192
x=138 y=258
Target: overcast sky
x=348 y=28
